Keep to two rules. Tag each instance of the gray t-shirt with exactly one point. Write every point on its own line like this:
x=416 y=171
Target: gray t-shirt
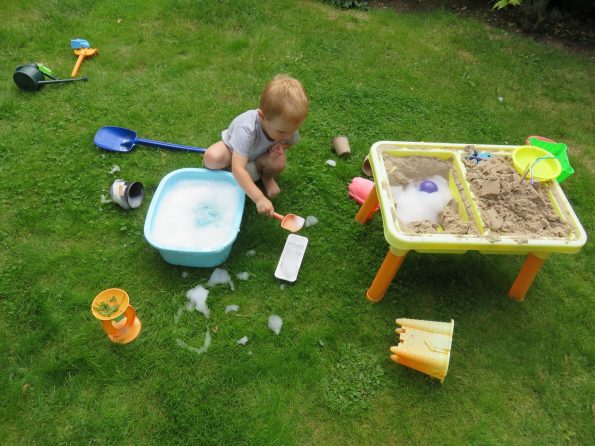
x=246 y=137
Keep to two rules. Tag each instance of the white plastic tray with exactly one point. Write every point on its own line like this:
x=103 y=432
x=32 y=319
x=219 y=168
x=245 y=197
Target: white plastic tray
x=291 y=258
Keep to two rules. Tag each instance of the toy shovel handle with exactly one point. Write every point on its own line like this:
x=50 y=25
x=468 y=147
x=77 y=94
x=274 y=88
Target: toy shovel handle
x=167 y=145
x=79 y=61
x=278 y=216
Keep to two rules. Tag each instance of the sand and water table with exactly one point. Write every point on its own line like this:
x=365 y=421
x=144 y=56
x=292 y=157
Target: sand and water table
x=492 y=210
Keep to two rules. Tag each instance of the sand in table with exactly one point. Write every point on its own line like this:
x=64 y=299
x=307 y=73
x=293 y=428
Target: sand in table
x=511 y=207
x=507 y=206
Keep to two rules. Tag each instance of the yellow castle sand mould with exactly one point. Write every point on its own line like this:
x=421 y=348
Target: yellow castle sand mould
x=424 y=346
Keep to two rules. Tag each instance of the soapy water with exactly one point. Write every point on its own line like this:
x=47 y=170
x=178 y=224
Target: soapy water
x=196 y=214
x=414 y=205
x=206 y=213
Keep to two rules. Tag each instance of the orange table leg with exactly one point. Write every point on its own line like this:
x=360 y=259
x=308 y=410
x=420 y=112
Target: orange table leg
x=525 y=277
x=367 y=210
x=384 y=276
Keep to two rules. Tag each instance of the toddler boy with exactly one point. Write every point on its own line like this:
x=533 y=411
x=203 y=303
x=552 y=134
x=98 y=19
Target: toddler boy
x=254 y=144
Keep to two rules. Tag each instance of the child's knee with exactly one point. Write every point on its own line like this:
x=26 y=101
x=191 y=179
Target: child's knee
x=217 y=156
x=210 y=160
x=277 y=165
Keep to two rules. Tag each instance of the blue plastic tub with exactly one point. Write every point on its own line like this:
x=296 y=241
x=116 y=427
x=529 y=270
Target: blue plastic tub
x=195 y=217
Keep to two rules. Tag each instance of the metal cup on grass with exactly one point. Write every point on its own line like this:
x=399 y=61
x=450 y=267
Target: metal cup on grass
x=129 y=195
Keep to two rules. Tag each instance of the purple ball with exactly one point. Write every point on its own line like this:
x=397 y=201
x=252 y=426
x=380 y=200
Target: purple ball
x=428 y=186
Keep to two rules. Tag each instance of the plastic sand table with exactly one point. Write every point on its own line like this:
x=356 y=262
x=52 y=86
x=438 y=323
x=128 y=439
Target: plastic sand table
x=490 y=208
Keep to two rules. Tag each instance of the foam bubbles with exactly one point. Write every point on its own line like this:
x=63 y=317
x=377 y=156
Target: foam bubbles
x=194 y=214
x=311 y=220
x=414 y=205
x=231 y=308
x=197 y=298
x=243 y=276
x=198 y=351
x=275 y=323
x=220 y=276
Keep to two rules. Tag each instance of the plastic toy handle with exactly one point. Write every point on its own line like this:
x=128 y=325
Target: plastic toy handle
x=278 y=216
x=130 y=314
x=61 y=81
x=48 y=75
x=78 y=65
x=166 y=145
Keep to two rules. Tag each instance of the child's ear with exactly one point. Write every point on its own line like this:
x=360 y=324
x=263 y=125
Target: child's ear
x=260 y=114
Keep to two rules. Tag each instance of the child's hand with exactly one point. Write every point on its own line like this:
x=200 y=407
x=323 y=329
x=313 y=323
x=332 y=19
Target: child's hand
x=277 y=150
x=264 y=206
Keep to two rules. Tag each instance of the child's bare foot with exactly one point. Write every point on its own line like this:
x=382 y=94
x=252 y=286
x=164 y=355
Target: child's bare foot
x=270 y=186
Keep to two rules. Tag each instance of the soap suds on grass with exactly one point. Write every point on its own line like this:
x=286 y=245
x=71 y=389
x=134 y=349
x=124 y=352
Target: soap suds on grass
x=243 y=276
x=311 y=220
x=231 y=308
x=220 y=276
x=275 y=323
x=198 y=351
x=197 y=299
x=179 y=313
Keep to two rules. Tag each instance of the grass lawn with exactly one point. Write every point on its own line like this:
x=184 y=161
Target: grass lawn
x=180 y=71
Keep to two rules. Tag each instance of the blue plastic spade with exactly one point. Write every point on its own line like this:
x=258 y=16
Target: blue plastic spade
x=118 y=139
x=79 y=43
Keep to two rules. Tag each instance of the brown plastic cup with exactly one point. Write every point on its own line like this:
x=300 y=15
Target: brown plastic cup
x=341 y=145
x=366 y=167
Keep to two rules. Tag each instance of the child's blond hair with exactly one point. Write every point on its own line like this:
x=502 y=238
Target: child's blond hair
x=284 y=96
